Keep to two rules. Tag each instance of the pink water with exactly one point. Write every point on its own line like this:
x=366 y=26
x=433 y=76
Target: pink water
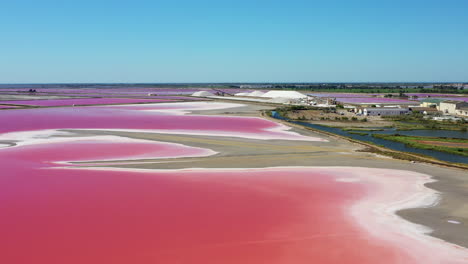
x=132 y=117
x=82 y=101
x=458 y=98
x=430 y=94
x=7 y=106
x=106 y=95
x=123 y=91
x=53 y=212
x=341 y=95
x=373 y=100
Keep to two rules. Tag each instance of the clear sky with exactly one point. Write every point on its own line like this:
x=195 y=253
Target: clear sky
x=233 y=41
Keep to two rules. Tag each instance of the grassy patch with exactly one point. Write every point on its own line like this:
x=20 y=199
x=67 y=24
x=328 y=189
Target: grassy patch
x=412 y=141
x=416 y=121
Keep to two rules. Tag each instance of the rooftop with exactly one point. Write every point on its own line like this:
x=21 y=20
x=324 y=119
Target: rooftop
x=432 y=100
x=452 y=102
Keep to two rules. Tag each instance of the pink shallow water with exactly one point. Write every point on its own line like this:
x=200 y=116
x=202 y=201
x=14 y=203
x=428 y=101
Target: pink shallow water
x=55 y=212
x=122 y=91
x=52 y=214
x=341 y=95
x=168 y=97
x=373 y=100
x=7 y=106
x=459 y=98
x=134 y=118
x=129 y=90
x=430 y=94
x=82 y=101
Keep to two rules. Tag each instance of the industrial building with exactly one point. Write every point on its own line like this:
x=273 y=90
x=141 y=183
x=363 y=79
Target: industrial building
x=452 y=107
x=431 y=102
x=384 y=111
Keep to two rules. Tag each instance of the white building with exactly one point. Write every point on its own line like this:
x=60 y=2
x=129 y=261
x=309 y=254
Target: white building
x=384 y=111
x=450 y=107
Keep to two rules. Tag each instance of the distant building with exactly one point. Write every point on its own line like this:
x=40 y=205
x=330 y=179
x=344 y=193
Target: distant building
x=424 y=110
x=384 y=111
x=432 y=102
x=462 y=111
x=452 y=107
x=459 y=85
x=255 y=86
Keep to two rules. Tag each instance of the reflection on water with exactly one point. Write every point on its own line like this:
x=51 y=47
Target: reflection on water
x=395 y=145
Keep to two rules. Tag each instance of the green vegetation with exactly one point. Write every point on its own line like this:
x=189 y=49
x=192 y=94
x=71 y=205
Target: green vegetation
x=368 y=88
x=414 y=142
x=416 y=121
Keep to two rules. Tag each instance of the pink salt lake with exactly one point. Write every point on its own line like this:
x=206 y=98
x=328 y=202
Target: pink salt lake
x=53 y=211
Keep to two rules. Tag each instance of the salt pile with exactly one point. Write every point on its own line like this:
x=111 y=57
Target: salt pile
x=242 y=94
x=280 y=100
x=202 y=94
x=252 y=94
x=284 y=94
x=257 y=93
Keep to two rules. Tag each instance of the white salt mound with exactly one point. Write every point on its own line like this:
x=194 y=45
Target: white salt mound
x=241 y=94
x=280 y=100
x=284 y=94
x=256 y=93
x=202 y=94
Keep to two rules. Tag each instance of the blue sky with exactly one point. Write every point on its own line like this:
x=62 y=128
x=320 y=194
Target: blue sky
x=233 y=41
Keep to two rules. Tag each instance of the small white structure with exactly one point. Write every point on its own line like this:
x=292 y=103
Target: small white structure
x=202 y=94
x=284 y=94
x=384 y=111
